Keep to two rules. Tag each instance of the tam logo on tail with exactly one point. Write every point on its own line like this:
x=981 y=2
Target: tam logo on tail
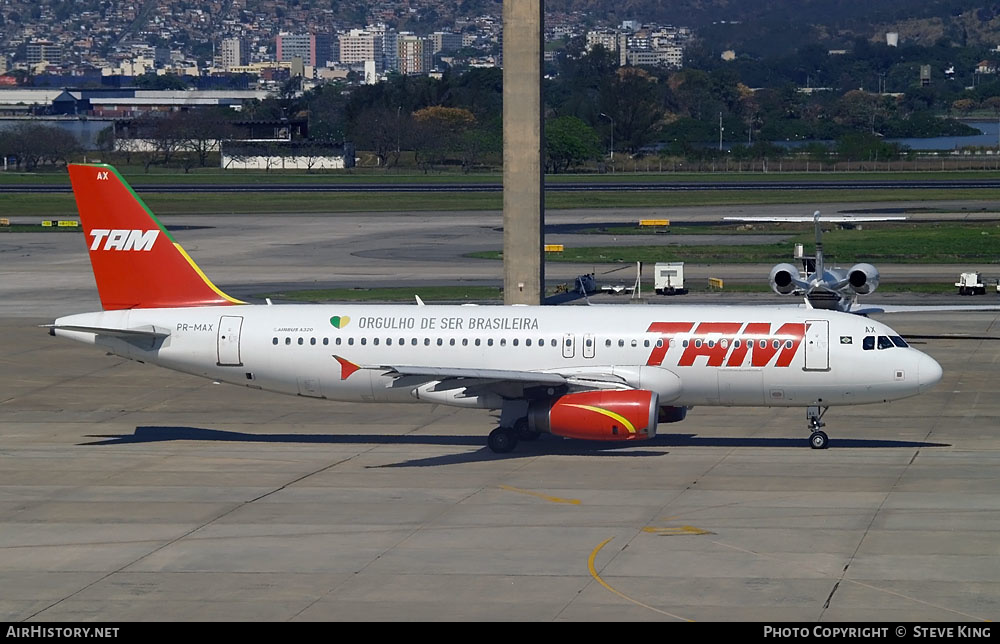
x=159 y=274
x=124 y=239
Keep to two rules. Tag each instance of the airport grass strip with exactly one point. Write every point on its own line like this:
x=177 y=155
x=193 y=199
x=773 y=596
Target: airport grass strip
x=902 y=244
x=391 y=294
x=56 y=205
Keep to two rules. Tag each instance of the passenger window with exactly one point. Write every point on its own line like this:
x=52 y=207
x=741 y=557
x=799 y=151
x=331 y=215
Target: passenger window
x=338 y=342
x=288 y=340
x=554 y=343
x=440 y=342
x=635 y=343
x=684 y=344
x=659 y=343
x=898 y=341
x=312 y=341
x=413 y=342
x=374 y=341
x=452 y=342
x=868 y=343
x=388 y=342
x=736 y=344
x=788 y=344
x=775 y=344
x=274 y=341
x=326 y=341
x=478 y=341
x=711 y=344
x=503 y=342
x=645 y=343
x=301 y=341
x=589 y=342
x=884 y=342
x=402 y=341
x=364 y=341
x=621 y=343
x=514 y=342
x=697 y=344
x=350 y=341
x=465 y=342
x=489 y=342
x=427 y=342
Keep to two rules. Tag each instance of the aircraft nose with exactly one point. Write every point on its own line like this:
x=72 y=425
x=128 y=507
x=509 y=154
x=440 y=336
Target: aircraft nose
x=929 y=372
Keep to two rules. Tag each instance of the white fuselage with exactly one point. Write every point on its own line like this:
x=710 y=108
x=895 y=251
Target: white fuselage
x=689 y=355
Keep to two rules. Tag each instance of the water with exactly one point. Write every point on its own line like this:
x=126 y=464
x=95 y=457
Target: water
x=990 y=131
x=989 y=137
x=84 y=131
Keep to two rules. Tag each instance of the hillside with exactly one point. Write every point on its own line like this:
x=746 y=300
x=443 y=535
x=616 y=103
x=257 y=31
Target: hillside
x=764 y=27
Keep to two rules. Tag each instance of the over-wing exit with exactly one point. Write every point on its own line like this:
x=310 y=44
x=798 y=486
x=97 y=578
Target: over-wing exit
x=595 y=372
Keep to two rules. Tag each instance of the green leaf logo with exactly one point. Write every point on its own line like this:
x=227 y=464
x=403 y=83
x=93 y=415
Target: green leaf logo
x=340 y=321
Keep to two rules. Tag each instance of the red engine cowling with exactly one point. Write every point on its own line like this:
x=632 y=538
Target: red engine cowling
x=598 y=415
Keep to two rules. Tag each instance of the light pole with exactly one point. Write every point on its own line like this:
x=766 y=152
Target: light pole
x=612 y=135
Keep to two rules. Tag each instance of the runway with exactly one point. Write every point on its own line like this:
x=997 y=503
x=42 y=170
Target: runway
x=129 y=492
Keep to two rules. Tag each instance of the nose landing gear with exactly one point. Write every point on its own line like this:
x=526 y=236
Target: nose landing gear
x=817 y=438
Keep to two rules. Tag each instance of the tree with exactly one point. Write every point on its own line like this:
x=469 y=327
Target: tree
x=439 y=131
x=380 y=130
x=630 y=99
x=569 y=141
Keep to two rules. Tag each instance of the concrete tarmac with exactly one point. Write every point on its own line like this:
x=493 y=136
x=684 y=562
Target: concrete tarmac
x=129 y=492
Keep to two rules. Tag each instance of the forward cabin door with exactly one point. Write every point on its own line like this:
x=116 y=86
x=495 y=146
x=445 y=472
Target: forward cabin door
x=229 y=340
x=569 y=345
x=817 y=342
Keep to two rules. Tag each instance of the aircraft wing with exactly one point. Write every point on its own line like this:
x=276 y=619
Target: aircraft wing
x=866 y=309
x=834 y=219
x=527 y=377
x=507 y=383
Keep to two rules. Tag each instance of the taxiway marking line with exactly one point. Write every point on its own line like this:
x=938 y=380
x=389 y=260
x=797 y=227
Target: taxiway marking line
x=552 y=499
x=597 y=577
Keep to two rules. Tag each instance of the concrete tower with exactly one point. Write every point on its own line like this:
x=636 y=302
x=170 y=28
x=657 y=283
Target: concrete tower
x=523 y=167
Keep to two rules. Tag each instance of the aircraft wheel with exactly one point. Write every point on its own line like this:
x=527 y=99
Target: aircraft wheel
x=523 y=433
x=818 y=440
x=502 y=440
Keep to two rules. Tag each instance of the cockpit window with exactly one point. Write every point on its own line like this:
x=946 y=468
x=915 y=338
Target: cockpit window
x=868 y=343
x=898 y=341
x=884 y=342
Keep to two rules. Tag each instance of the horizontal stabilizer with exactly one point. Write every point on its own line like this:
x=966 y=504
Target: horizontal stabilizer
x=138 y=332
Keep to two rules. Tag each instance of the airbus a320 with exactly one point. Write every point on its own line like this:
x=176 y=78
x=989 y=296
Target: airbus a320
x=607 y=373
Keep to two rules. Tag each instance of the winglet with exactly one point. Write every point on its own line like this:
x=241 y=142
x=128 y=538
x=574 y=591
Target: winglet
x=136 y=262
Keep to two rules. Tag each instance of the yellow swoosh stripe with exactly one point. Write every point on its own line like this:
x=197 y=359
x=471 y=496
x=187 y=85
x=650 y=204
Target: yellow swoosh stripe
x=205 y=277
x=610 y=414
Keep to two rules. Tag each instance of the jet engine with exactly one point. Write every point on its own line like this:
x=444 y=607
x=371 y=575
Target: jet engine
x=783 y=278
x=864 y=278
x=607 y=415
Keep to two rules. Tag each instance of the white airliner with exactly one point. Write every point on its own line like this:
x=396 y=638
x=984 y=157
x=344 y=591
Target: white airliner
x=597 y=372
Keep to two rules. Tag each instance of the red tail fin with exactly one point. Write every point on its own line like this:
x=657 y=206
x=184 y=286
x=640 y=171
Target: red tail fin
x=137 y=264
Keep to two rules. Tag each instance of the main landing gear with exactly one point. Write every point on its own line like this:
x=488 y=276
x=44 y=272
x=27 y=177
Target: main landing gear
x=505 y=439
x=817 y=438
